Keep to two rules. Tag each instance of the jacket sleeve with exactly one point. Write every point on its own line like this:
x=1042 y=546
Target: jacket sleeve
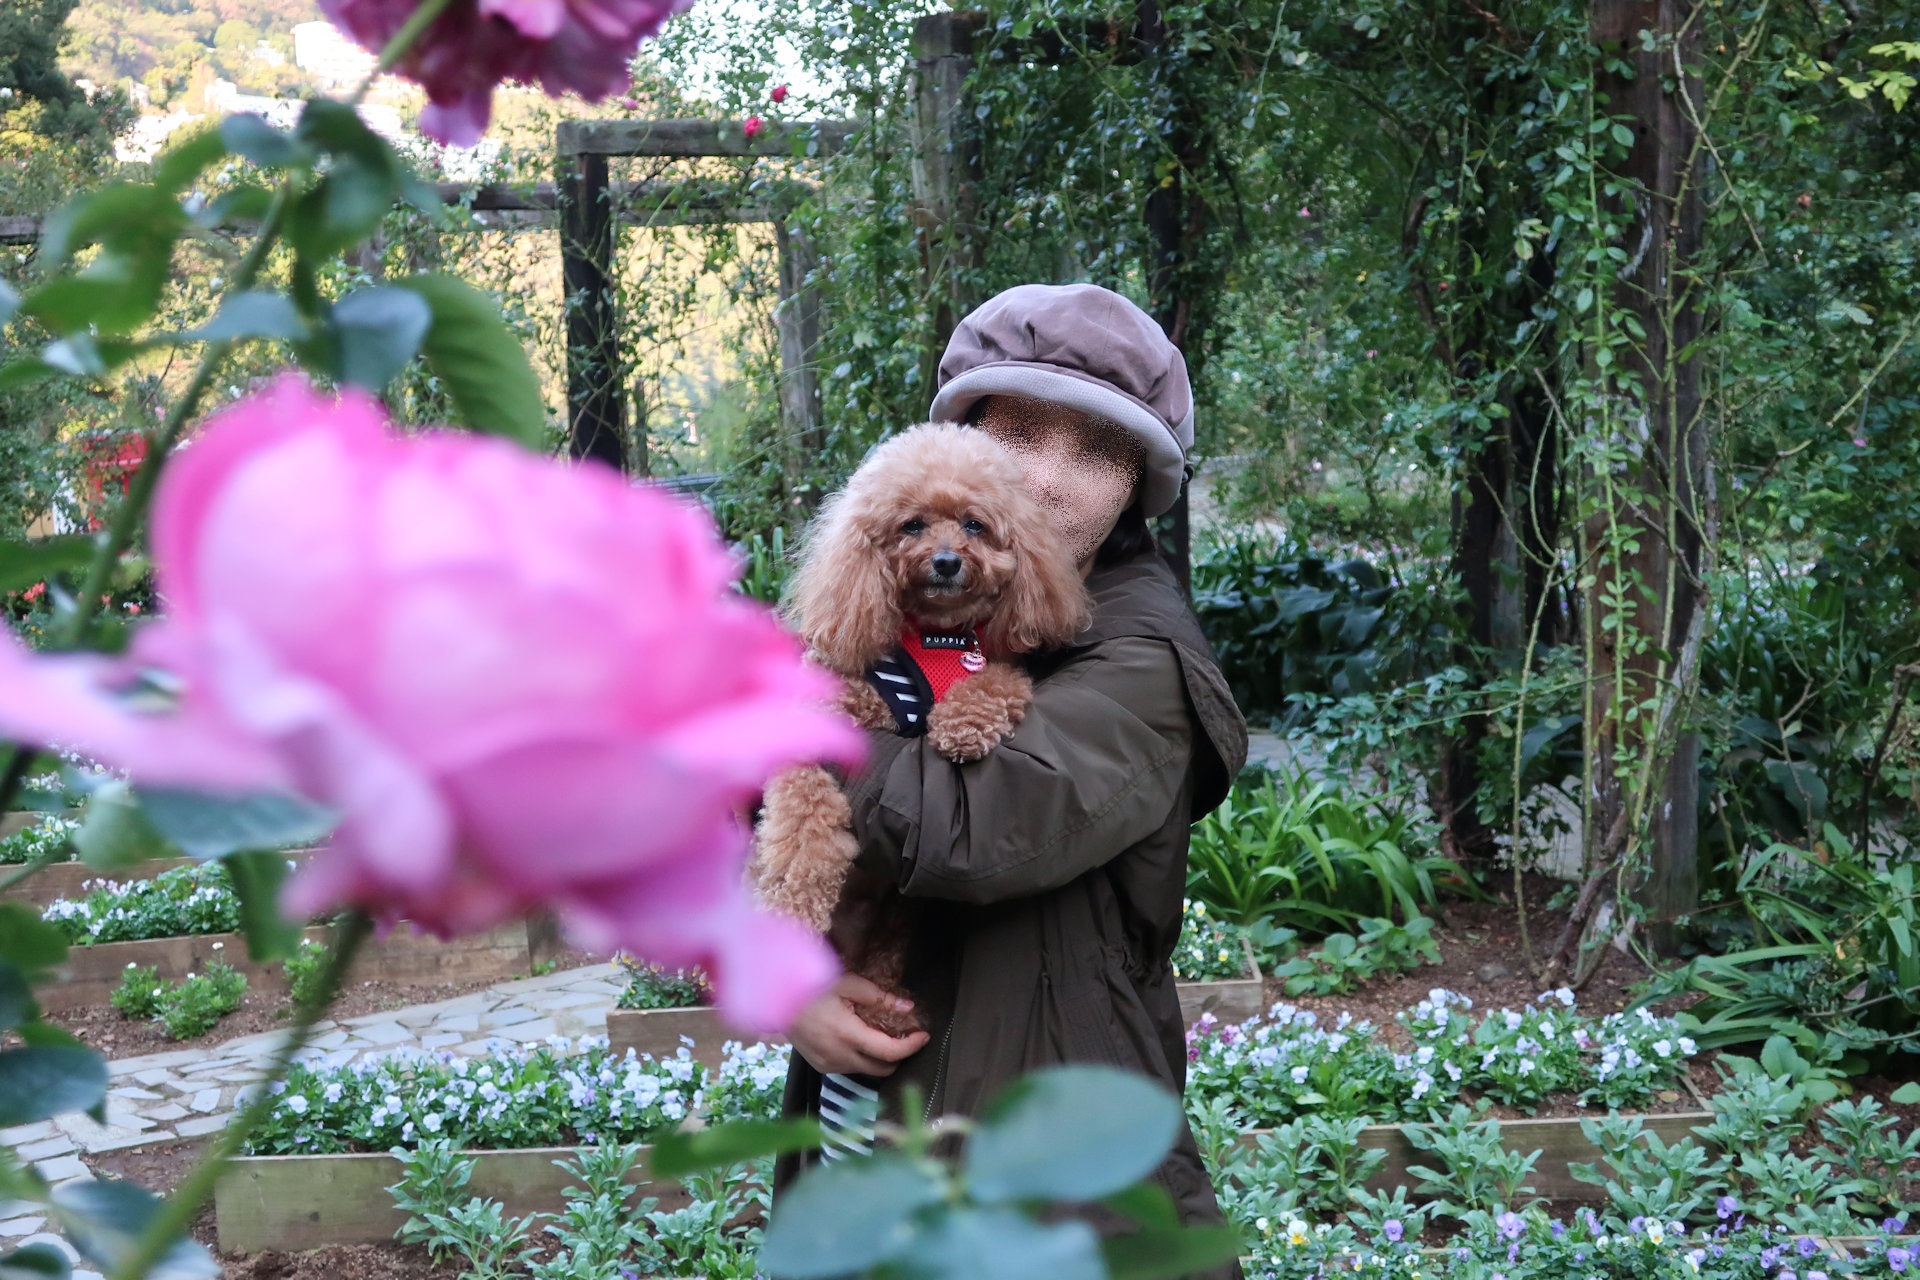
x=1095 y=767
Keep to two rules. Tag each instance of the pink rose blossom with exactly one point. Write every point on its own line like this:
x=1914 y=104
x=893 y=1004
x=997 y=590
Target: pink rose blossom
x=753 y=126
x=779 y=94
x=563 y=46
x=523 y=685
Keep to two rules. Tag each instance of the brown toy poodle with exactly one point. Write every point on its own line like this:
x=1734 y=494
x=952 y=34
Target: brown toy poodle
x=919 y=583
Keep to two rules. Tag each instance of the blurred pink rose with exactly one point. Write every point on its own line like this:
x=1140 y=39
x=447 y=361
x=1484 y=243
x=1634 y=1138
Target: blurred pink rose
x=522 y=684
x=563 y=46
x=753 y=126
x=779 y=94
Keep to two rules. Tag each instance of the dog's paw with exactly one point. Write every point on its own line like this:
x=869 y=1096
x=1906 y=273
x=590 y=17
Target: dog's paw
x=860 y=704
x=979 y=712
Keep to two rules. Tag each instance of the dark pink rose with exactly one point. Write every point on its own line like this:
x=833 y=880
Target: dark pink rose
x=753 y=126
x=779 y=94
x=562 y=46
x=523 y=685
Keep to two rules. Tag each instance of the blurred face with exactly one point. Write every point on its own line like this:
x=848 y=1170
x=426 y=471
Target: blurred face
x=1082 y=470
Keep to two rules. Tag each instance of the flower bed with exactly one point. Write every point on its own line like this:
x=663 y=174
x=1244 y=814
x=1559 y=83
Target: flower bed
x=319 y=1169
x=182 y=902
x=1284 y=1064
x=545 y=1095
x=1585 y=1247
x=90 y=974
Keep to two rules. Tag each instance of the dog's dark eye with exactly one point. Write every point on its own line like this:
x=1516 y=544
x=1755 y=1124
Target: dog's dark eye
x=974 y=528
x=914 y=528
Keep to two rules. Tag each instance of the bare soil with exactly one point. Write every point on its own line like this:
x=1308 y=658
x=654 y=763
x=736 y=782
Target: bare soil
x=102 y=1028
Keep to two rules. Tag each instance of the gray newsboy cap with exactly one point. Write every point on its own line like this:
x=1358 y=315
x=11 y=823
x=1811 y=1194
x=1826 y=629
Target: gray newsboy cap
x=1084 y=347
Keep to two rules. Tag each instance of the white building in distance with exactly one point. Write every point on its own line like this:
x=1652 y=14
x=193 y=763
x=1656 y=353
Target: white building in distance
x=320 y=50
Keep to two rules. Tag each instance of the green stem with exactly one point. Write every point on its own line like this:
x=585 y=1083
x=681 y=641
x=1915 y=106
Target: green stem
x=178 y=1210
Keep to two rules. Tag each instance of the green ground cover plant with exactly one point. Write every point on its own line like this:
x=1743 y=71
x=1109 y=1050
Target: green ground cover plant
x=1743 y=1198
x=606 y=1229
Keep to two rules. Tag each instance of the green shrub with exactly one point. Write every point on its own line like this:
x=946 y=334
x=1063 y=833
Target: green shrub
x=191 y=1007
x=1288 y=849
x=1285 y=622
x=139 y=993
x=306 y=971
x=651 y=987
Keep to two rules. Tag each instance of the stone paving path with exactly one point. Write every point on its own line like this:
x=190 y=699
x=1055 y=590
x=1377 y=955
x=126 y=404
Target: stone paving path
x=190 y=1092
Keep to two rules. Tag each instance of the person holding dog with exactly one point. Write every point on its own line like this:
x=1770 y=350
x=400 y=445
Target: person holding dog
x=1048 y=876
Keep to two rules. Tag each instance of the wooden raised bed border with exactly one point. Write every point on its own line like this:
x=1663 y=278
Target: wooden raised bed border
x=304 y=1202
x=657 y=1031
x=91 y=973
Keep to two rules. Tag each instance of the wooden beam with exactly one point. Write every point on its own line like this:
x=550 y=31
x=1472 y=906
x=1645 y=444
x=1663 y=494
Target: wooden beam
x=656 y=204
x=686 y=138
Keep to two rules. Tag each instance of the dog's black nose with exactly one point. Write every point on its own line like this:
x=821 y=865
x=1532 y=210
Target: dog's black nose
x=947 y=564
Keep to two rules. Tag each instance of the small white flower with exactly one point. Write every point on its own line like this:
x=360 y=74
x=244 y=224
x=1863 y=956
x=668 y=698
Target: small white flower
x=297 y=1104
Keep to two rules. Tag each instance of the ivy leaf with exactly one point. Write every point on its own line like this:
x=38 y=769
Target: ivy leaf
x=16 y=998
x=115 y=834
x=846 y=1216
x=27 y=561
x=249 y=135
x=257 y=878
x=1165 y=1253
x=105 y=1219
x=254 y=313
x=1070 y=1133
x=1000 y=1243
x=483 y=366
x=38 y=1082
x=213 y=826
x=674 y=1155
x=372 y=334
x=35 y=1262
x=28 y=943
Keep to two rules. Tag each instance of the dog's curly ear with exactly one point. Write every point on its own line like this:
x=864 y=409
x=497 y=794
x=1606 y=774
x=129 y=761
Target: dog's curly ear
x=1046 y=603
x=843 y=598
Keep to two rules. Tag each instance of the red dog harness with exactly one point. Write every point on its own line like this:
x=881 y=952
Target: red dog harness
x=922 y=671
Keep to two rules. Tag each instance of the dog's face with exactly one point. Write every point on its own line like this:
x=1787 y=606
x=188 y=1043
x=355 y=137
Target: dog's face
x=950 y=555
x=936 y=526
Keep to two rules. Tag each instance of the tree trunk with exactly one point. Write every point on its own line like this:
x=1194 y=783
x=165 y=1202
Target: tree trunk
x=1176 y=219
x=1644 y=532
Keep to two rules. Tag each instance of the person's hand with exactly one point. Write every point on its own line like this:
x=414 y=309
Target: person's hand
x=832 y=1037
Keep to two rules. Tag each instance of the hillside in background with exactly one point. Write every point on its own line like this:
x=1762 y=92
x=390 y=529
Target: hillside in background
x=163 y=44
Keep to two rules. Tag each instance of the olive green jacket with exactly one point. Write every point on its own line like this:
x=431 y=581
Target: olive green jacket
x=1048 y=876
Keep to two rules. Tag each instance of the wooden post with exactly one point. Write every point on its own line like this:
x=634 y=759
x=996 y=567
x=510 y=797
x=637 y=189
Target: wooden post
x=946 y=174
x=595 y=416
x=1646 y=668
x=798 y=317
